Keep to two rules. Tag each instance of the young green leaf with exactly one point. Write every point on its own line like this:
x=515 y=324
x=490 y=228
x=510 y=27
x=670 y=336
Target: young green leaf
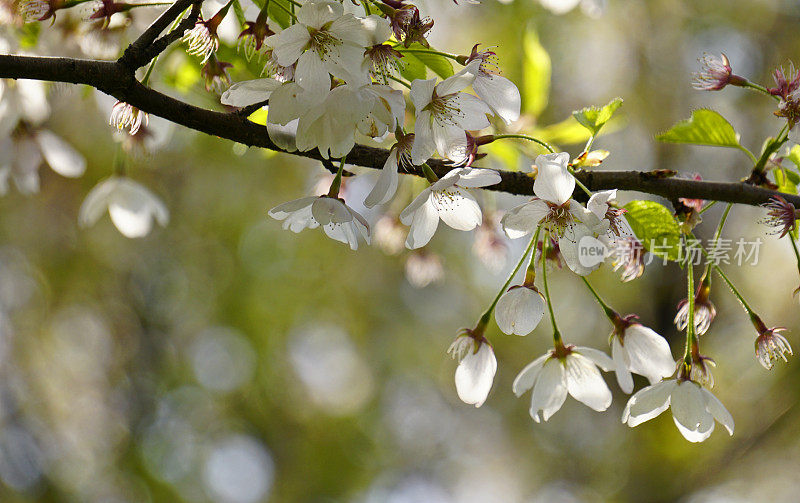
x=411 y=68
x=655 y=227
x=593 y=118
x=794 y=156
x=535 y=74
x=278 y=15
x=787 y=181
x=440 y=65
x=704 y=127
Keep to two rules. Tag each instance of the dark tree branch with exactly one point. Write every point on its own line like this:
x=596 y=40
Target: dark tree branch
x=146 y=47
x=115 y=79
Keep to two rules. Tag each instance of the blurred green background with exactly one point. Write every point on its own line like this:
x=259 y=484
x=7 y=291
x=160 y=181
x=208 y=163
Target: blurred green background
x=224 y=359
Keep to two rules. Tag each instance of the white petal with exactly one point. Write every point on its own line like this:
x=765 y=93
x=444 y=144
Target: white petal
x=343 y=232
x=421 y=93
x=312 y=75
x=550 y=390
x=457 y=208
x=96 y=202
x=554 y=182
x=60 y=156
x=475 y=375
x=423 y=226
x=476 y=177
x=585 y=383
x=328 y=210
x=524 y=218
x=249 y=92
x=649 y=353
x=720 y=413
x=284 y=210
x=702 y=432
x=459 y=81
x=300 y=219
x=569 y=246
x=377 y=28
x=289 y=44
x=472 y=114
x=285 y=137
x=446 y=136
x=386 y=185
x=289 y=102
x=519 y=310
x=423 y=147
x=689 y=412
x=599 y=358
x=407 y=215
x=347 y=64
x=598 y=203
x=500 y=94
x=350 y=29
x=648 y=403
x=318 y=13
x=528 y=375
x=132 y=208
x=620 y=356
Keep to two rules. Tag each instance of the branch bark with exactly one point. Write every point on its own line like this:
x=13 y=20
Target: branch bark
x=116 y=79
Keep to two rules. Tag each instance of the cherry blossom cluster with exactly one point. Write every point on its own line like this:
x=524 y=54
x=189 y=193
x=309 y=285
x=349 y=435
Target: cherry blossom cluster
x=334 y=76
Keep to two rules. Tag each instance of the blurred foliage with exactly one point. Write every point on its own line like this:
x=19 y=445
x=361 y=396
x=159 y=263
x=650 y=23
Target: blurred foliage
x=224 y=359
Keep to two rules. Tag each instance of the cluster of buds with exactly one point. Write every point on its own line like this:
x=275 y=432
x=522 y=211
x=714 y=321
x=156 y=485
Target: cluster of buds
x=407 y=24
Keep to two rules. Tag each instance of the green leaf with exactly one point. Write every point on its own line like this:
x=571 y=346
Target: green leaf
x=787 y=180
x=440 y=65
x=279 y=15
x=593 y=118
x=655 y=227
x=794 y=155
x=536 y=70
x=412 y=68
x=705 y=127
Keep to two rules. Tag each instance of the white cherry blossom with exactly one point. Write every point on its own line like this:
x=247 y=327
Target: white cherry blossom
x=21 y=157
x=330 y=123
x=132 y=207
x=477 y=366
x=567 y=220
x=694 y=408
x=568 y=369
x=339 y=221
x=446 y=199
x=444 y=114
x=639 y=349
x=323 y=42
x=519 y=310
x=498 y=92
